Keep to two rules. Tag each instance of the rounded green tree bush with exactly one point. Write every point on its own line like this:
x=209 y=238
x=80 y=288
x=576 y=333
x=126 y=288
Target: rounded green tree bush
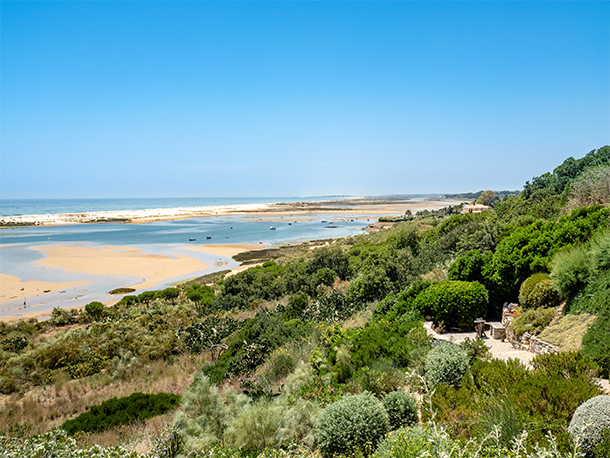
x=544 y=294
x=351 y=424
x=95 y=309
x=528 y=286
x=446 y=363
x=401 y=408
x=588 y=422
x=454 y=303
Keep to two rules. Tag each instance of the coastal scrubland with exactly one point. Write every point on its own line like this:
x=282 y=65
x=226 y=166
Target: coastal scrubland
x=321 y=350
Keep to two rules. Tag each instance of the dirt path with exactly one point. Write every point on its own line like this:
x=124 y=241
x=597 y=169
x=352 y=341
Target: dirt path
x=499 y=349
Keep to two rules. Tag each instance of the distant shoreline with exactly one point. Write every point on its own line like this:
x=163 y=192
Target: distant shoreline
x=346 y=206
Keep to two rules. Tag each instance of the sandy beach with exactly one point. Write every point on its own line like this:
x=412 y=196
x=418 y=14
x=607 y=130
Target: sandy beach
x=14 y=288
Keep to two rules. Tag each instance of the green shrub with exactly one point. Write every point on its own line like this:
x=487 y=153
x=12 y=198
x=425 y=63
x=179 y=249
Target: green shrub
x=401 y=408
x=539 y=291
x=121 y=411
x=204 y=415
x=544 y=294
x=380 y=379
x=528 y=285
x=446 y=363
x=407 y=443
x=588 y=421
x=596 y=344
x=454 y=303
x=571 y=271
x=352 y=424
x=533 y=321
x=476 y=349
x=600 y=252
x=95 y=309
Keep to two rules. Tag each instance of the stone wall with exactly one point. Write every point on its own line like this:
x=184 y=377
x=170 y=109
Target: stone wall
x=526 y=341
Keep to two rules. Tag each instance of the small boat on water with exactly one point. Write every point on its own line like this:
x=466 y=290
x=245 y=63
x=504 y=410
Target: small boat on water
x=192 y=240
x=272 y=228
x=208 y=237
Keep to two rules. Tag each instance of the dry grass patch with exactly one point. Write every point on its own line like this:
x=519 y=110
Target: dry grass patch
x=359 y=319
x=49 y=406
x=567 y=331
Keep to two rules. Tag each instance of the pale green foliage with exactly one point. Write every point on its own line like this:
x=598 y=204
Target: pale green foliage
x=591 y=188
x=207 y=419
x=351 y=424
x=205 y=416
x=600 y=252
x=401 y=408
x=299 y=377
x=571 y=271
x=298 y=423
x=256 y=427
x=433 y=441
x=56 y=444
x=446 y=363
x=588 y=421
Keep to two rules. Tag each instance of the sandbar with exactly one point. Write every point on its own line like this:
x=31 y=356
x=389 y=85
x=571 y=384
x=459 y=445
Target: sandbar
x=228 y=250
x=13 y=288
x=119 y=261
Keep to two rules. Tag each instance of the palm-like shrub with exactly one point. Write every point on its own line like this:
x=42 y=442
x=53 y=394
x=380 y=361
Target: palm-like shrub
x=352 y=424
x=588 y=422
x=446 y=363
x=401 y=408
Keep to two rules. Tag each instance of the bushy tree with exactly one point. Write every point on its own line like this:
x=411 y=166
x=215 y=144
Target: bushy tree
x=453 y=303
x=95 y=309
x=351 y=424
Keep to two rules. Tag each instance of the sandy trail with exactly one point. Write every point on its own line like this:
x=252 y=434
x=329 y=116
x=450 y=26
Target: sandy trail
x=500 y=350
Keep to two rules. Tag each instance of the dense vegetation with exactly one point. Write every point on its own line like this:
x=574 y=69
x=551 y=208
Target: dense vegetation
x=121 y=411
x=298 y=348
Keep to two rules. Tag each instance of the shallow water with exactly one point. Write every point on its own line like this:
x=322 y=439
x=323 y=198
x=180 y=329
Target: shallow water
x=167 y=238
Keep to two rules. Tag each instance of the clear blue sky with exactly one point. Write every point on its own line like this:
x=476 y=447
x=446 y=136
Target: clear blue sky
x=201 y=99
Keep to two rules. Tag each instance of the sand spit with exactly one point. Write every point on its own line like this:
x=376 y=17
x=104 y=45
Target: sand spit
x=271 y=211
